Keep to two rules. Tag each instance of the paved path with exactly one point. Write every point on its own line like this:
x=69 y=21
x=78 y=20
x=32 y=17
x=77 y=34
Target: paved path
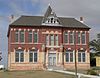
x=73 y=73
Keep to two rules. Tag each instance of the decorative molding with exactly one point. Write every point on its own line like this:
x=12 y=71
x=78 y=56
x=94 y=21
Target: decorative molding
x=69 y=48
x=20 y=29
x=19 y=47
x=33 y=29
x=11 y=29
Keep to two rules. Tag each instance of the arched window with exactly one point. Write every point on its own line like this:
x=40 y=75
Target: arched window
x=69 y=56
x=33 y=56
x=19 y=55
x=81 y=56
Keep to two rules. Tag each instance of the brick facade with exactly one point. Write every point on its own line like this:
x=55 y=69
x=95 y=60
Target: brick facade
x=50 y=49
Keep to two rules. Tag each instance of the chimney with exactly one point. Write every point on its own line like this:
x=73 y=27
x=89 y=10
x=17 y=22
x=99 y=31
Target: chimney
x=81 y=19
x=11 y=18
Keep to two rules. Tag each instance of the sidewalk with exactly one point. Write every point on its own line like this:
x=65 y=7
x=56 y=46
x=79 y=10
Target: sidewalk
x=73 y=73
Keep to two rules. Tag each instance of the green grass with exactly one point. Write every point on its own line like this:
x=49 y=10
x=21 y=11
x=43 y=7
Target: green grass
x=33 y=74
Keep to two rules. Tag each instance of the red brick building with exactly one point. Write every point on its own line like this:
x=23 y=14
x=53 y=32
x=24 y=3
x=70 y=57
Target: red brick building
x=40 y=42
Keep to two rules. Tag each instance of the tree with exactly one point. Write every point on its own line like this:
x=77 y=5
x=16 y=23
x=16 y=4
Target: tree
x=96 y=47
x=95 y=44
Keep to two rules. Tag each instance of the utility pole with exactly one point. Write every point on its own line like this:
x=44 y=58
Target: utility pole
x=75 y=54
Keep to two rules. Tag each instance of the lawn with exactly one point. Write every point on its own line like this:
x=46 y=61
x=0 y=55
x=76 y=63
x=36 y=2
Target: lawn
x=33 y=74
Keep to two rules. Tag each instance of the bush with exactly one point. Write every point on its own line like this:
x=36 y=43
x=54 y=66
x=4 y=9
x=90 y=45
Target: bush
x=91 y=72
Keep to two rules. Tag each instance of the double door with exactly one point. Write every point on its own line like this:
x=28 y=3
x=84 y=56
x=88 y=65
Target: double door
x=52 y=59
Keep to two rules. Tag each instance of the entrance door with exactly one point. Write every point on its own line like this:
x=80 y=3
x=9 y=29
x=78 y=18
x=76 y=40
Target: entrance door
x=52 y=59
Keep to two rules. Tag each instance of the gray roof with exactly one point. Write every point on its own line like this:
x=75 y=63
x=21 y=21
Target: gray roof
x=37 y=21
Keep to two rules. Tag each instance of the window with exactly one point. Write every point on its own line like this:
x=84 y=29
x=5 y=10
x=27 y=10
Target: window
x=66 y=37
x=47 y=39
x=81 y=56
x=22 y=36
x=79 y=37
x=83 y=38
x=35 y=37
x=19 y=56
x=33 y=56
x=71 y=36
x=16 y=36
x=52 y=39
x=30 y=36
x=56 y=39
x=69 y=56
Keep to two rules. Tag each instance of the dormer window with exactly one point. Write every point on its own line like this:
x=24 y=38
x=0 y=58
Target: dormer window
x=51 y=20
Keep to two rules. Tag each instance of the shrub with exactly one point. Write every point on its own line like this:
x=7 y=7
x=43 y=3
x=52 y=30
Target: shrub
x=91 y=72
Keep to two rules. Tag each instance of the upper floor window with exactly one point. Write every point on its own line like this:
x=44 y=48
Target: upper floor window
x=33 y=56
x=81 y=56
x=47 y=39
x=69 y=56
x=78 y=38
x=66 y=37
x=52 y=39
x=83 y=38
x=35 y=37
x=30 y=36
x=71 y=36
x=19 y=56
x=16 y=36
x=56 y=39
x=22 y=36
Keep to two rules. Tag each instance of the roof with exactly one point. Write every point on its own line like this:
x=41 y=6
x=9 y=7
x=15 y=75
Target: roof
x=38 y=20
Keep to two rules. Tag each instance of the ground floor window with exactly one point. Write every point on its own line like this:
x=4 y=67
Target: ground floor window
x=33 y=56
x=81 y=56
x=19 y=56
x=69 y=56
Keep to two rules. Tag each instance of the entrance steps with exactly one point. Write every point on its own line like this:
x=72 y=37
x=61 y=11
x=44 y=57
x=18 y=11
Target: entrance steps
x=50 y=68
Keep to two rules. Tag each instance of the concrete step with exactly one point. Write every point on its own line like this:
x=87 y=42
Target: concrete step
x=55 y=68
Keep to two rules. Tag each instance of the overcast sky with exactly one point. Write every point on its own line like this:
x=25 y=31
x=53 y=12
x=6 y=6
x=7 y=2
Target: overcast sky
x=89 y=9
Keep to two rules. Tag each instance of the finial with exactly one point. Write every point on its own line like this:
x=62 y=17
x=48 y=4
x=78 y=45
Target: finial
x=49 y=4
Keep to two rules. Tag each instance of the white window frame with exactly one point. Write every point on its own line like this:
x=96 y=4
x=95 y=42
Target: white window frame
x=20 y=38
x=31 y=34
x=56 y=40
x=47 y=39
x=67 y=37
x=82 y=57
x=19 y=52
x=33 y=51
x=69 y=52
x=37 y=36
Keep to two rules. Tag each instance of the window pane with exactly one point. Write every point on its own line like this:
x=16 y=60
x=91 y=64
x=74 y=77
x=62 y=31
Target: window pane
x=66 y=37
x=52 y=39
x=30 y=36
x=21 y=57
x=47 y=39
x=79 y=36
x=71 y=37
x=30 y=57
x=79 y=57
x=16 y=36
x=56 y=38
x=35 y=56
x=67 y=57
x=21 y=36
x=71 y=57
x=16 y=57
x=35 y=37
x=83 y=55
x=83 y=37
